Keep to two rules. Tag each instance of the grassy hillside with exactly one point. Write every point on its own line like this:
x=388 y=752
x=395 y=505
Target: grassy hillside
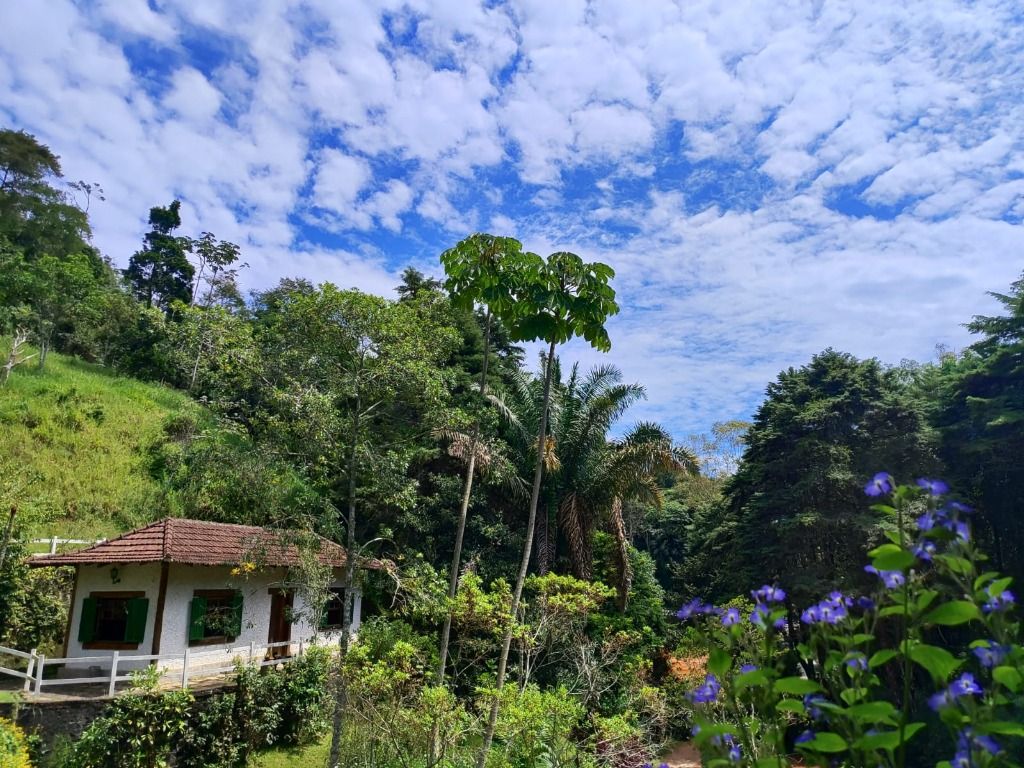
x=72 y=447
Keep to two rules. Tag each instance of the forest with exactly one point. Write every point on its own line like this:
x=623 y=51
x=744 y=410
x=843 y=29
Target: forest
x=830 y=582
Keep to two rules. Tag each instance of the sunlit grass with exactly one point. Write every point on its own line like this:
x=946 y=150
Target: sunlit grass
x=314 y=755
x=72 y=447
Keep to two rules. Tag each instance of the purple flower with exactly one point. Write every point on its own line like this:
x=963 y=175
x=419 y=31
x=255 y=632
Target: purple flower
x=706 y=693
x=760 y=615
x=934 y=487
x=768 y=594
x=695 y=607
x=891 y=579
x=927 y=521
x=991 y=655
x=865 y=603
x=735 y=752
x=924 y=550
x=965 y=685
x=1004 y=601
x=748 y=668
x=968 y=741
x=857 y=661
x=878 y=485
x=811 y=702
x=804 y=737
x=731 y=617
x=941 y=700
x=956 y=506
x=829 y=611
x=959 y=527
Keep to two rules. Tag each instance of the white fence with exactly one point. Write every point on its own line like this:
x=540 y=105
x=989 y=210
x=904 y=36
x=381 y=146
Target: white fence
x=182 y=667
x=55 y=542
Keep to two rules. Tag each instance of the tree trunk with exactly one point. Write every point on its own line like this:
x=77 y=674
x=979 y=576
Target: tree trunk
x=453 y=580
x=341 y=693
x=538 y=474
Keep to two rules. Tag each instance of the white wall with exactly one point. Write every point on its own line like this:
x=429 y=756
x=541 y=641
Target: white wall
x=182 y=582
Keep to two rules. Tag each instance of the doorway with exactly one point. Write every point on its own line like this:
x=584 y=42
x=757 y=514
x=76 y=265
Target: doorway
x=280 y=622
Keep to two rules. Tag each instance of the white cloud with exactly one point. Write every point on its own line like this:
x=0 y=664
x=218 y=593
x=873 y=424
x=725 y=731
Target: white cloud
x=191 y=96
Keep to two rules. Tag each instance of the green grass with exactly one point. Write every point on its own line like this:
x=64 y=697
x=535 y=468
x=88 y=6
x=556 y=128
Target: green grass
x=73 y=439
x=288 y=758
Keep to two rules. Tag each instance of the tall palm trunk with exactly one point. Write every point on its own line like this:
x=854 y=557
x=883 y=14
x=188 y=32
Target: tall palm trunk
x=341 y=692
x=453 y=580
x=524 y=563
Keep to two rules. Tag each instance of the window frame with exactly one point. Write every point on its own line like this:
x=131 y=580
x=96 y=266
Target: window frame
x=113 y=645
x=334 y=590
x=215 y=594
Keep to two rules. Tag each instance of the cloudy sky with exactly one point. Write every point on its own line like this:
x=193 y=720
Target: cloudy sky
x=767 y=178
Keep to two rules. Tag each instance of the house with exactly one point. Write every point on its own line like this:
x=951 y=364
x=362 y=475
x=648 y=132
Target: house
x=178 y=585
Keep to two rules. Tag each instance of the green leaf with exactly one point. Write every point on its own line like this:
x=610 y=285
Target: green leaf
x=888 y=739
x=953 y=613
x=719 y=661
x=938 y=661
x=798 y=686
x=873 y=712
x=894 y=610
x=826 y=741
x=791 y=705
x=999 y=586
x=881 y=657
x=958 y=565
x=1003 y=729
x=1008 y=677
x=748 y=679
x=891 y=557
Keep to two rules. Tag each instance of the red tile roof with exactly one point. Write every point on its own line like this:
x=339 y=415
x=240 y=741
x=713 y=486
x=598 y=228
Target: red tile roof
x=196 y=542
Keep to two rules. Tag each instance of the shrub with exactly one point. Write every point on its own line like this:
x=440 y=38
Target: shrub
x=212 y=738
x=932 y=659
x=13 y=746
x=305 y=698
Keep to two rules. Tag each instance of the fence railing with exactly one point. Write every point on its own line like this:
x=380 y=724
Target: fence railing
x=55 y=542
x=208 y=662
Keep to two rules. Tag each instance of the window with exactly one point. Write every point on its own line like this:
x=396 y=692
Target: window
x=215 y=616
x=334 y=609
x=113 y=620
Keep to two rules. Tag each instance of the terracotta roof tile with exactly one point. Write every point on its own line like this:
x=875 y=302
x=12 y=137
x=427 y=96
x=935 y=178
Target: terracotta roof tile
x=197 y=542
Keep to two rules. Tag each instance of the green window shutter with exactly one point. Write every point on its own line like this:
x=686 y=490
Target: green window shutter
x=135 y=629
x=235 y=627
x=197 y=619
x=87 y=621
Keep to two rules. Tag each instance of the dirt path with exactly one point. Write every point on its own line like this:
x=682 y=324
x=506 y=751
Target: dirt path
x=682 y=755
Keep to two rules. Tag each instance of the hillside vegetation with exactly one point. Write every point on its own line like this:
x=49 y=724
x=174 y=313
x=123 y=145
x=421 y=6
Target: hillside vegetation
x=73 y=441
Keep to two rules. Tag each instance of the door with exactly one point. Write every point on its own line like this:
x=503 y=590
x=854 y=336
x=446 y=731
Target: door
x=280 y=622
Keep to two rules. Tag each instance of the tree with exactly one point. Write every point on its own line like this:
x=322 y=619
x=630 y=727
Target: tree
x=215 y=255
x=795 y=505
x=414 y=281
x=555 y=300
x=475 y=268
x=160 y=273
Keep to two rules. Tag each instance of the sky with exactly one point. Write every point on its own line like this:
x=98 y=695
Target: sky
x=768 y=179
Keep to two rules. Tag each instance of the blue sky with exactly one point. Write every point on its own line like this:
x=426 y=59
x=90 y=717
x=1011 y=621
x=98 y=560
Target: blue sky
x=767 y=178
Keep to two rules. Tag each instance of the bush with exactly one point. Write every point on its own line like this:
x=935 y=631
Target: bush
x=212 y=739
x=305 y=698
x=13 y=746
x=931 y=660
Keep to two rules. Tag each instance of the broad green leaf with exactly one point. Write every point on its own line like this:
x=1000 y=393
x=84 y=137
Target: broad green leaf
x=999 y=586
x=796 y=685
x=873 y=712
x=719 y=661
x=953 y=613
x=958 y=565
x=791 y=705
x=1008 y=677
x=893 y=610
x=888 y=739
x=881 y=657
x=891 y=557
x=826 y=741
x=938 y=661
x=1003 y=729
x=748 y=679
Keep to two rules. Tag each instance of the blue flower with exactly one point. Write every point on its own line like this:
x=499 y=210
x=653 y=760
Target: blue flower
x=706 y=693
x=695 y=607
x=878 y=485
x=968 y=742
x=760 y=615
x=731 y=617
x=927 y=521
x=829 y=611
x=956 y=506
x=811 y=702
x=941 y=700
x=768 y=594
x=965 y=685
x=924 y=550
x=891 y=579
x=865 y=603
x=748 y=668
x=857 y=661
x=1004 y=601
x=959 y=527
x=934 y=487
x=735 y=752
x=804 y=737
x=991 y=655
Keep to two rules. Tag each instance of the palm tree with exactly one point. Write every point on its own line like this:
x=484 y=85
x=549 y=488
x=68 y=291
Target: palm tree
x=588 y=476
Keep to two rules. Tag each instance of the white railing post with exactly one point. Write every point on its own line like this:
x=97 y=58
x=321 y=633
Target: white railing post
x=184 y=669
x=30 y=670
x=53 y=545
x=302 y=645
x=39 y=672
x=252 y=650
x=113 y=674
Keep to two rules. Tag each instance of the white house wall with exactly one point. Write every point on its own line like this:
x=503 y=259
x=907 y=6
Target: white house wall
x=182 y=582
